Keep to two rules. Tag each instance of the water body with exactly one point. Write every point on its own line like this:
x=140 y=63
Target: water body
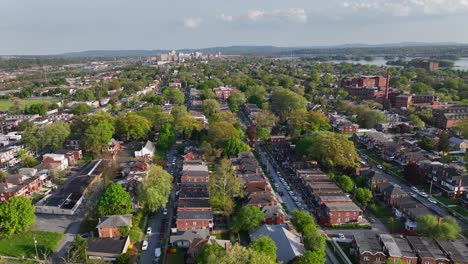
x=460 y=64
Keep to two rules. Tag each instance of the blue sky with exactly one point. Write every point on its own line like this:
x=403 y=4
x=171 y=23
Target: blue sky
x=56 y=26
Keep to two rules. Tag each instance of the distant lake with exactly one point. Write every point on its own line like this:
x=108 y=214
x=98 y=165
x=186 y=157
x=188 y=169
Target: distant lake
x=460 y=64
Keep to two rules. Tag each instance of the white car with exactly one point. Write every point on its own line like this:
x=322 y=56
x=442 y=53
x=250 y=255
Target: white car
x=148 y=231
x=165 y=211
x=291 y=193
x=157 y=252
x=414 y=189
x=341 y=237
x=423 y=194
x=432 y=200
x=145 y=245
x=379 y=167
x=412 y=194
x=276 y=185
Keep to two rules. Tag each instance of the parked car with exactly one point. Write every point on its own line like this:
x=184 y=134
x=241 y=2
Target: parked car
x=157 y=253
x=165 y=211
x=148 y=231
x=412 y=194
x=85 y=235
x=414 y=189
x=432 y=200
x=341 y=237
x=144 y=246
x=379 y=167
x=423 y=194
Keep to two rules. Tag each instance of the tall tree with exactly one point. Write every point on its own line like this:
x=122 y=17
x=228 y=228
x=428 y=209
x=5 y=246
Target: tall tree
x=302 y=121
x=370 y=118
x=114 y=201
x=346 y=183
x=77 y=250
x=16 y=215
x=96 y=137
x=187 y=124
x=236 y=100
x=444 y=228
x=283 y=101
x=210 y=254
x=444 y=144
x=234 y=146
x=265 y=245
x=223 y=185
x=210 y=107
x=131 y=126
x=155 y=189
x=247 y=219
x=173 y=95
x=364 y=196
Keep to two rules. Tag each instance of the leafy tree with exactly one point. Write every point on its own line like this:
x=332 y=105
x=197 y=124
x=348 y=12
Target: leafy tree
x=462 y=128
x=427 y=143
x=123 y=259
x=28 y=161
x=302 y=121
x=429 y=225
x=265 y=245
x=114 y=201
x=242 y=255
x=234 y=146
x=370 y=118
x=173 y=95
x=209 y=152
x=39 y=109
x=236 y=100
x=247 y=219
x=444 y=144
x=16 y=215
x=131 y=126
x=346 y=183
x=330 y=149
x=77 y=250
x=311 y=257
x=256 y=94
x=187 y=124
x=166 y=137
x=80 y=109
x=283 y=101
x=363 y=195
x=96 y=137
x=210 y=253
x=25 y=124
x=223 y=185
x=155 y=189
x=421 y=88
x=210 y=107
x=207 y=93
x=220 y=132
x=416 y=121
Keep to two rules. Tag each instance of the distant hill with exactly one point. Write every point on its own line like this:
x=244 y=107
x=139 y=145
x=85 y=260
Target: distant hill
x=252 y=50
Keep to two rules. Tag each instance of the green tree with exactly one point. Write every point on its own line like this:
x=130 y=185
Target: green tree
x=427 y=143
x=346 y=183
x=187 y=124
x=247 y=219
x=210 y=253
x=236 y=100
x=155 y=189
x=444 y=144
x=283 y=101
x=123 y=259
x=330 y=149
x=416 y=121
x=96 y=137
x=223 y=185
x=363 y=196
x=16 y=215
x=265 y=245
x=421 y=88
x=131 y=126
x=302 y=121
x=77 y=250
x=220 y=132
x=28 y=161
x=210 y=107
x=166 y=137
x=370 y=118
x=114 y=201
x=173 y=95
x=80 y=109
x=234 y=146
x=311 y=257
x=39 y=109
x=430 y=226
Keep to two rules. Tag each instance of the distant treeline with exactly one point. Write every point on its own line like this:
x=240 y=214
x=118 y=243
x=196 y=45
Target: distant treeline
x=414 y=62
x=24 y=62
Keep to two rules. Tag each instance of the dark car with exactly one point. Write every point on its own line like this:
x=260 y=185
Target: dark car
x=85 y=235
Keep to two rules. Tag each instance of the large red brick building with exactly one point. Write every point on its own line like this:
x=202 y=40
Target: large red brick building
x=364 y=81
x=191 y=220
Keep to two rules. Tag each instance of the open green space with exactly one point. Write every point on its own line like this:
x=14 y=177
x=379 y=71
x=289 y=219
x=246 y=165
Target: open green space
x=5 y=105
x=22 y=245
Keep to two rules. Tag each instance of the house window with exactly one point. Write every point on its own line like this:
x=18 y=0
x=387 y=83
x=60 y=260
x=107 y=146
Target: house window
x=347 y=219
x=377 y=259
x=339 y=220
x=194 y=223
x=427 y=262
x=366 y=258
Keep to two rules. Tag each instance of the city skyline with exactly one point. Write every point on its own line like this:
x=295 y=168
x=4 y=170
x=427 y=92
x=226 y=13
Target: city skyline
x=54 y=27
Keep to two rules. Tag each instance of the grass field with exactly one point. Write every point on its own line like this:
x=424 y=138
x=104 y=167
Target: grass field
x=6 y=104
x=23 y=244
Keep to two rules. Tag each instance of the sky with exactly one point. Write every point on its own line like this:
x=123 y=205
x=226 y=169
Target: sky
x=37 y=27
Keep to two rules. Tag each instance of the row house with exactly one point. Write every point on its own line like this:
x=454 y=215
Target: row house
x=9 y=156
x=59 y=161
x=456 y=250
x=343 y=125
x=450 y=179
x=109 y=226
x=450 y=117
x=373 y=140
x=397 y=249
x=73 y=156
x=364 y=81
x=428 y=251
x=224 y=92
x=196 y=171
x=191 y=220
x=251 y=110
x=368 y=249
x=22 y=184
x=337 y=213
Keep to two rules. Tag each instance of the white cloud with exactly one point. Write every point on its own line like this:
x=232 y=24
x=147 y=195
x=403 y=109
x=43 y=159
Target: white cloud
x=297 y=15
x=255 y=15
x=192 y=23
x=226 y=18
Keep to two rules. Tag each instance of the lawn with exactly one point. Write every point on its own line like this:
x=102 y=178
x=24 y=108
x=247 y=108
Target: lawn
x=23 y=244
x=6 y=104
x=446 y=201
x=138 y=221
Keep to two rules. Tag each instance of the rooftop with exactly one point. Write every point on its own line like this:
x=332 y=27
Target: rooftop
x=187 y=215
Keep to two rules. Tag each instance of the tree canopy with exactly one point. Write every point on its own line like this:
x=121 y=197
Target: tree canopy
x=330 y=149
x=155 y=189
x=131 y=126
x=16 y=215
x=429 y=225
x=301 y=121
x=247 y=219
x=370 y=118
x=265 y=245
x=114 y=201
x=173 y=95
x=223 y=185
x=210 y=107
x=363 y=195
x=284 y=100
x=346 y=183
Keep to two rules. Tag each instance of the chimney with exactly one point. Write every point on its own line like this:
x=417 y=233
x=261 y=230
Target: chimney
x=387 y=85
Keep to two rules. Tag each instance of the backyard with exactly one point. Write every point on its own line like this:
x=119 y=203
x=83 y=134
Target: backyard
x=5 y=105
x=22 y=245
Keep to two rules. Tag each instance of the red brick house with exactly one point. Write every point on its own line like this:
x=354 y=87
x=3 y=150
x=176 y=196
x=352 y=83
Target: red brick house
x=398 y=249
x=261 y=200
x=113 y=148
x=368 y=249
x=191 y=220
x=193 y=205
x=109 y=225
x=427 y=250
x=393 y=192
x=274 y=215
x=340 y=213
x=223 y=93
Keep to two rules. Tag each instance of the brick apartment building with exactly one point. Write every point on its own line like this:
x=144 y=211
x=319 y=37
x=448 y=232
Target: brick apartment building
x=364 y=81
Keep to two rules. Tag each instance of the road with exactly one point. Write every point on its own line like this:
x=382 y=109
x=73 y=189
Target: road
x=159 y=222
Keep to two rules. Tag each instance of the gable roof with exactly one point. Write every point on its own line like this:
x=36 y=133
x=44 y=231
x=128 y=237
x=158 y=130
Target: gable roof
x=115 y=221
x=288 y=244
